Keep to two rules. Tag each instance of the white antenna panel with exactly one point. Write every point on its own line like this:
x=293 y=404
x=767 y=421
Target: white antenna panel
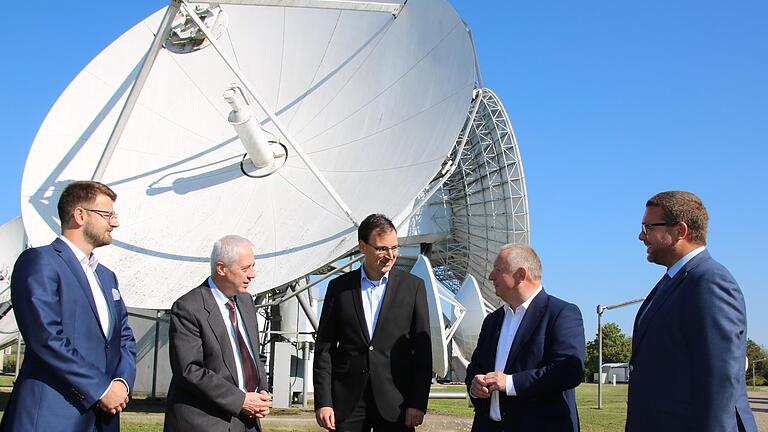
x=375 y=102
x=9 y=330
x=468 y=332
x=12 y=243
x=423 y=269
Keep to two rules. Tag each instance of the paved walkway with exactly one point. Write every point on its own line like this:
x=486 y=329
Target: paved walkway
x=759 y=403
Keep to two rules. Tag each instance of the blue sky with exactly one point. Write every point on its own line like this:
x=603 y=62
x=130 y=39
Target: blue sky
x=611 y=102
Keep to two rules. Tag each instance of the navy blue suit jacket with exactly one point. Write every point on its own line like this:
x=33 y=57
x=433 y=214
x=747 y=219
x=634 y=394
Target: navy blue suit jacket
x=688 y=353
x=546 y=362
x=68 y=362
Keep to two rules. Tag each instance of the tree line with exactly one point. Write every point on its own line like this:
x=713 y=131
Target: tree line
x=617 y=348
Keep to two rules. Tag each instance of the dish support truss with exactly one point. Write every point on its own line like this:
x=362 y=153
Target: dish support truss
x=485 y=199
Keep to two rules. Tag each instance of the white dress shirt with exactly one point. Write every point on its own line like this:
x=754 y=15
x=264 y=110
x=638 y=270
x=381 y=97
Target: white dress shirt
x=509 y=327
x=373 y=292
x=89 y=265
x=221 y=301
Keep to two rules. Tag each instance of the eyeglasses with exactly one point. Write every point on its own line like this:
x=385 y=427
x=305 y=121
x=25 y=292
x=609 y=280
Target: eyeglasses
x=107 y=215
x=649 y=227
x=382 y=250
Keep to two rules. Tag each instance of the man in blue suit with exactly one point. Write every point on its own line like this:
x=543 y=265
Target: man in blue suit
x=530 y=353
x=80 y=359
x=689 y=338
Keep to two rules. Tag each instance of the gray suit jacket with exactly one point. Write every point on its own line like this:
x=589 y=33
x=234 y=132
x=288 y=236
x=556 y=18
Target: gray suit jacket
x=204 y=395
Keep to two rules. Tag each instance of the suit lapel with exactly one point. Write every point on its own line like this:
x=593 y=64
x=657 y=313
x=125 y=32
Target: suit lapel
x=531 y=319
x=216 y=321
x=657 y=302
x=251 y=323
x=70 y=260
x=498 y=320
x=386 y=302
x=357 y=300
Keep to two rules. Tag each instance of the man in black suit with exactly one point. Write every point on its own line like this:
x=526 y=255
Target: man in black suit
x=219 y=382
x=530 y=353
x=373 y=358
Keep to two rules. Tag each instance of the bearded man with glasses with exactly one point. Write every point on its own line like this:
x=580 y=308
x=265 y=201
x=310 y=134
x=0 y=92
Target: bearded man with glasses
x=80 y=360
x=373 y=358
x=690 y=333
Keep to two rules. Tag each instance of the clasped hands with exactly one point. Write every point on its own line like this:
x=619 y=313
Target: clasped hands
x=257 y=405
x=483 y=385
x=115 y=399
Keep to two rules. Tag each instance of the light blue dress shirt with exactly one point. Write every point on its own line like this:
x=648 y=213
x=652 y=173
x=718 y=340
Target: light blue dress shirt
x=373 y=292
x=683 y=261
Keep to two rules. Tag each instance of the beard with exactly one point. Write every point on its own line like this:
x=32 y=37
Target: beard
x=661 y=253
x=96 y=237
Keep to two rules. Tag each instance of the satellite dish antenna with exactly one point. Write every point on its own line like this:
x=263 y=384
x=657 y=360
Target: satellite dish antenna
x=465 y=338
x=336 y=96
x=474 y=205
x=13 y=241
x=440 y=333
x=484 y=199
x=9 y=330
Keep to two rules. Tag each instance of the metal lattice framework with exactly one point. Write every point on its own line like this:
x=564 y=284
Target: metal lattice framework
x=485 y=199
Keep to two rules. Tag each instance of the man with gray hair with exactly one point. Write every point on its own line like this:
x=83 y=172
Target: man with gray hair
x=530 y=353
x=219 y=382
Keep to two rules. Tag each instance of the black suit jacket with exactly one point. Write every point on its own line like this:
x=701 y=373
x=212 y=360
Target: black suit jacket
x=397 y=362
x=204 y=395
x=546 y=362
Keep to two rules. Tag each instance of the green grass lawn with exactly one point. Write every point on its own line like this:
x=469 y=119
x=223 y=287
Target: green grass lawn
x=609 y=419
x=6 y=380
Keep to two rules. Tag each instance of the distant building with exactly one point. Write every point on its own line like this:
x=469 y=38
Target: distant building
x=611 y=370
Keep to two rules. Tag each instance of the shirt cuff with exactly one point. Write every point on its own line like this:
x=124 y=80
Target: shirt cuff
x=110 y=384
x=511 y=386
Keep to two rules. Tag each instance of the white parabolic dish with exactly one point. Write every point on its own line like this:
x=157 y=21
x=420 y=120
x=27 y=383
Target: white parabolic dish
x=423 y=269
x=376 y=102
x=468 y=332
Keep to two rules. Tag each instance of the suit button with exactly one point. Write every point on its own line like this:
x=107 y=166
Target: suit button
x=365 y=371
x=370 y=348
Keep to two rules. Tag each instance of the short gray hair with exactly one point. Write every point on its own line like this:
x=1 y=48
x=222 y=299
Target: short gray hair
x=520 y=255
x=227 y=249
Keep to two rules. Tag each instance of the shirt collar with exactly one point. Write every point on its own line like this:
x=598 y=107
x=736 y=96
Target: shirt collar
x=90 y=261
x=366 y=283
x=220 y=297
x=684 y=260
x=523 y=307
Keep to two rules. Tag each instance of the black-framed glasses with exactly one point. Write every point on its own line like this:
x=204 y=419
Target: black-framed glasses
x=649 y=226
x=107 y=215
x=385 y=249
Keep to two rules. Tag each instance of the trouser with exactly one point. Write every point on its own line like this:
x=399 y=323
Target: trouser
x=366 y=416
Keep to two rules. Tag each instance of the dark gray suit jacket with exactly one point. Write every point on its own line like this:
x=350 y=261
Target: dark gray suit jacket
x=204 y=395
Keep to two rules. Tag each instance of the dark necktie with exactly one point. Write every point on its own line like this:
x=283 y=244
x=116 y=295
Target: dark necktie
x=249 y=367
x=653 y=294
